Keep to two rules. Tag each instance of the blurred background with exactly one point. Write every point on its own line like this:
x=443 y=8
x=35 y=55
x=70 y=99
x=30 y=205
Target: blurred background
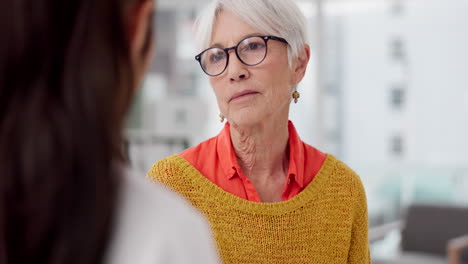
x=386 y=92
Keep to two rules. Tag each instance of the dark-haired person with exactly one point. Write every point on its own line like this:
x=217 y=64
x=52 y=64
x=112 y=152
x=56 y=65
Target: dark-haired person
x=68 y=71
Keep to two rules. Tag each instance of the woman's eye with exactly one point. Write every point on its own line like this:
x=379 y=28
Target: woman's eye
x=255 y=46
x=216 y=57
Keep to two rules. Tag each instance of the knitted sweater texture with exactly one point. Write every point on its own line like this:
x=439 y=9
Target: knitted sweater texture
x=325 y=223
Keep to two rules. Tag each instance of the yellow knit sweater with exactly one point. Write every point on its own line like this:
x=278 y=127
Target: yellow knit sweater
x=325 y=223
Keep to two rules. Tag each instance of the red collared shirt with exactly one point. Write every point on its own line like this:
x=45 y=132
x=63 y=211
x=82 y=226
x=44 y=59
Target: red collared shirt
x=216 y=160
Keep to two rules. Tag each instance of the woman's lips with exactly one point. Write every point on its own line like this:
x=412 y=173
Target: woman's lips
x=242 y=94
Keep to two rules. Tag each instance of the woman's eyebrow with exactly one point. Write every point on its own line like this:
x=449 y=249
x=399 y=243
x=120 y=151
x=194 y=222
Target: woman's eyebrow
x=218 y=45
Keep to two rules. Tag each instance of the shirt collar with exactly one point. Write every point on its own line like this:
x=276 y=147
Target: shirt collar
x=230 y=166
x=296 y=156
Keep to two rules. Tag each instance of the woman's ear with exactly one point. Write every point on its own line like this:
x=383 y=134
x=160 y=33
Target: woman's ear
x=140 y=19
x=300 y=64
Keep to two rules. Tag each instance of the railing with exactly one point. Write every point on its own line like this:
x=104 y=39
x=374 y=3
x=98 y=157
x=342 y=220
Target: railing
x=144 y=148
x=390 y=189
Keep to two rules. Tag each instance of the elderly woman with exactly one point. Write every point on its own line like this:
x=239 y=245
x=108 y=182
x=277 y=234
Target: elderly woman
x=269 y=197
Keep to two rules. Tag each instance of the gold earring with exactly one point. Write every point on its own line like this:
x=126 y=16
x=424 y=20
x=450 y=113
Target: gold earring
x=295 y=96
x=221 y=118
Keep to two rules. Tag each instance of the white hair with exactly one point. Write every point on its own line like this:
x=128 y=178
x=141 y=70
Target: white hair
x=280 y=18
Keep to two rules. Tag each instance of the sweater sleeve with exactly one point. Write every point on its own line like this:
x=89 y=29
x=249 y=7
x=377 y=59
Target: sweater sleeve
x=359 y=248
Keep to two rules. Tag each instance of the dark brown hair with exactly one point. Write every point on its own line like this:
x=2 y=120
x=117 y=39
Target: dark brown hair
x=65 y=85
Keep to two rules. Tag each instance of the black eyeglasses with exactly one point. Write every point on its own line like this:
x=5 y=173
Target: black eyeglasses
x=251 y=51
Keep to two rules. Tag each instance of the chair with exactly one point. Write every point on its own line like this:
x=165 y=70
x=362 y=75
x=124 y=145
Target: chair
x=430 y=234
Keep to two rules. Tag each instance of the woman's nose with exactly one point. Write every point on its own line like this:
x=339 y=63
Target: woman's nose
x=236 y=69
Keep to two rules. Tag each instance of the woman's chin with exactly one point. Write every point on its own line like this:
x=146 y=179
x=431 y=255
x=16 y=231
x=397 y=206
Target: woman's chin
x=245 y=119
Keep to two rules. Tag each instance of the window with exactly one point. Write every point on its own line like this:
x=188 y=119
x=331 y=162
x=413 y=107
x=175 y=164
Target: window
x=397 y=146
x=397 y=97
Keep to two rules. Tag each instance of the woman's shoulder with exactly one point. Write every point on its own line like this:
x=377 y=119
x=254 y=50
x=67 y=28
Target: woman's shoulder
x=196 y=157
x=341 y=168
x=172 y=162
x=342 y=177
x=153 y=223
x=166 y=170
x=176 y=173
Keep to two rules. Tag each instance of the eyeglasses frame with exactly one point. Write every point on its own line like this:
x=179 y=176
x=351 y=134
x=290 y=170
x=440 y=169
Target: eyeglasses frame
x=226 y=51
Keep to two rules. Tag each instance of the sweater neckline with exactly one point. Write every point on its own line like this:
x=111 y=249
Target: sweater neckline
x=310 y=192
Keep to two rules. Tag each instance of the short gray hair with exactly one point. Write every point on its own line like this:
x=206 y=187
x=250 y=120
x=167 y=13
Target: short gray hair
x=281 y=18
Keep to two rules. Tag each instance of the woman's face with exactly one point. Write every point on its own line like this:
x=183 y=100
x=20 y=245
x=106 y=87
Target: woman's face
x=246 y=94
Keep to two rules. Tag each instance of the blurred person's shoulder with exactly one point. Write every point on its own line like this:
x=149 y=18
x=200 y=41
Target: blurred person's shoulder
x=155 y=225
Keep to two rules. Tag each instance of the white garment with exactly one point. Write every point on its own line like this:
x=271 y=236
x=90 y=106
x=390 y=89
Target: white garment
x=156 y=226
